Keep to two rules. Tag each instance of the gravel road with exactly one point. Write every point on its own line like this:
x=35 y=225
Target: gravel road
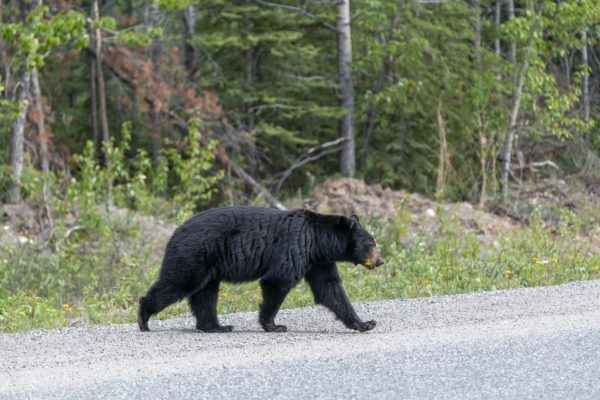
x=541 y=343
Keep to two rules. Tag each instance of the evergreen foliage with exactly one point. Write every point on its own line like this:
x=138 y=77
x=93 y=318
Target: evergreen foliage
x=433 y=104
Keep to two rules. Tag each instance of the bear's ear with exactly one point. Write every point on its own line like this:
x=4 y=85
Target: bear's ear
x=346 y=224
x=309 y=215
x=354 y=217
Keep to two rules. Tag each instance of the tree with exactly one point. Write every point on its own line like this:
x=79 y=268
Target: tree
x=585 y=85
x=31 y=41
x=343 y=25
x=440 y=95
x=97 y=42
x=43 y=135
x=512 y=124
x=155 y=51
x=271 y=66
x=548 y=105
x=191 y=56
x=18 y=139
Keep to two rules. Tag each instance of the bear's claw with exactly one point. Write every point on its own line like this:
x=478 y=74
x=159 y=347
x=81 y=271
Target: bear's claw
x=217 y=329
x=274 y=328
x=365 y=326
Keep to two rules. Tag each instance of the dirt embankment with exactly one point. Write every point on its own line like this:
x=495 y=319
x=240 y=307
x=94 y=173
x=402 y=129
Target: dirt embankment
x=372 y=203
x=132 y=232
x=348 y=196
x=549 y=198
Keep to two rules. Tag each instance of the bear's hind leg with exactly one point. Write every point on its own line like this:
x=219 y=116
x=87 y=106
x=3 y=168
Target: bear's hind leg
x=204 y=307
x=273 y=295
x=159 y=296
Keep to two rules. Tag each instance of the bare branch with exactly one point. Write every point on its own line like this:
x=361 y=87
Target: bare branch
x=312 y=154
x=262 y=107
x=310 y=78
x=537 y=164
x=299 y=10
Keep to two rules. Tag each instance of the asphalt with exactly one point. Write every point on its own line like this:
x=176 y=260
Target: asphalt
x=536 y=343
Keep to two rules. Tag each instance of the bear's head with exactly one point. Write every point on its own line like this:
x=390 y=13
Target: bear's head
x=362 y=248
x=349 y=241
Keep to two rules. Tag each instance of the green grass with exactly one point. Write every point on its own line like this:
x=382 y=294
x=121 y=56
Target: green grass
x=89 y=280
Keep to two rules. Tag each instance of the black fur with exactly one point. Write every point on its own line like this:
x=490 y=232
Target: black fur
x=279 y=248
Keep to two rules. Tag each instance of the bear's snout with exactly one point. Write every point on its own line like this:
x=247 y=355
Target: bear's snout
x=374 y=259
x=377 y=257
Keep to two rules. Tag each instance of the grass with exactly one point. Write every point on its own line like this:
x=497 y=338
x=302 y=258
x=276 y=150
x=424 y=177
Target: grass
x=89 y=279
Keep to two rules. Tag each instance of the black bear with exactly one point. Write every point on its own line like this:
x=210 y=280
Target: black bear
x=279 y=248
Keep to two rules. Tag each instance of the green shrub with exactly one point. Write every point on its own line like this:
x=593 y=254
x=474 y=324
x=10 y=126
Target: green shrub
x=95 y=258
x=99 y=260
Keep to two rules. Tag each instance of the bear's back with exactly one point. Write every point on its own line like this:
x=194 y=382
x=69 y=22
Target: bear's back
x=238 y=241
x=227 y=219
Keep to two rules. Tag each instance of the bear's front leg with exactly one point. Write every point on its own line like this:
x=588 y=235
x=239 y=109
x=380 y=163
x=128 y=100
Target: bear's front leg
x=273 y=294
x=326 y=285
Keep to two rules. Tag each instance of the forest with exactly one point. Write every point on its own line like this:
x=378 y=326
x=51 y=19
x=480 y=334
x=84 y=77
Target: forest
x=121 y=118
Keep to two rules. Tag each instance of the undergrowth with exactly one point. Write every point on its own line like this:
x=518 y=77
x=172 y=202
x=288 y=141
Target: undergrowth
x=77 y=285
x=97 y=259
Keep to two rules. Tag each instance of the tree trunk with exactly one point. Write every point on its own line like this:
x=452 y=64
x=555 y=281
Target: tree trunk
x=477 y=39
x=483 y=150
x=191 y=57
x=480 y=113
x=40 y=122
x=249 y=76
x=443 y=155
x=4 y=65
x=94 y=97
x=155 y=52
x=46 y=220
x=17 y=141
x=497 y=19
x=367 y=133
x=506 y=153
x=249 y=73
x=586 y=80
x=512 y=127
x=507 y=149
x=513 y=46
x=100 y=75
x=585 y=99
x=347 y=160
